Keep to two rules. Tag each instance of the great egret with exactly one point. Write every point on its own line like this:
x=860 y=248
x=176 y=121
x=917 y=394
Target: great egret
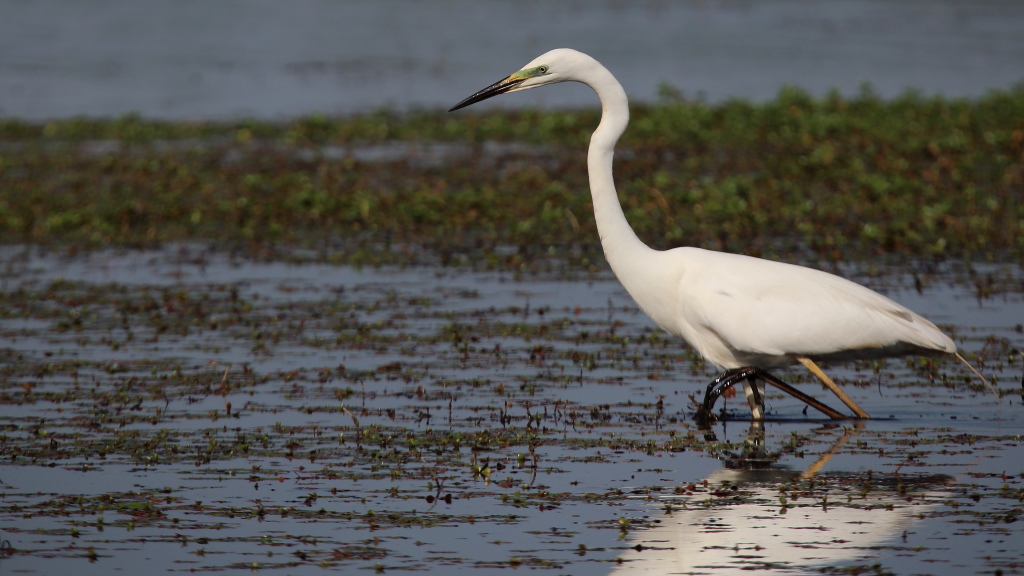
x=743 y=314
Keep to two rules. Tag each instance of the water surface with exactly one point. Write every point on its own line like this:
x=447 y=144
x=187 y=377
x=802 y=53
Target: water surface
x=258 y=58
x=196 y=411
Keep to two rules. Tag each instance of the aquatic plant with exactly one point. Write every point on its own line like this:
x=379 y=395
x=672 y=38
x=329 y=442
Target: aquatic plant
x=833 y=178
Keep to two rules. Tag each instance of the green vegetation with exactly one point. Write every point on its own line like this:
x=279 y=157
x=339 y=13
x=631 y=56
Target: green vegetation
x=830 y=178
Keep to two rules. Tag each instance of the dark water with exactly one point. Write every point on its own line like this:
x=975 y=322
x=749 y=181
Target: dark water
x=118 y=447
x=195 y=59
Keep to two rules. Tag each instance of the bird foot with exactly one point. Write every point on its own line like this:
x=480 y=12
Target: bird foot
x=749 y=376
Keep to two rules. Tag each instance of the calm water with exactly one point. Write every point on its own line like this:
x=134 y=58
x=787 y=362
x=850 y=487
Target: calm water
x=188 y=411
x=194 y=59
x=196 y=412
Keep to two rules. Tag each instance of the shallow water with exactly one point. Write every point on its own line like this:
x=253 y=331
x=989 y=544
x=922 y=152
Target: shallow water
x=195 y=411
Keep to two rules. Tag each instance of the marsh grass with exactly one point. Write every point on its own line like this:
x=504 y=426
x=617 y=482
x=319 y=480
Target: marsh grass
x=834 y=178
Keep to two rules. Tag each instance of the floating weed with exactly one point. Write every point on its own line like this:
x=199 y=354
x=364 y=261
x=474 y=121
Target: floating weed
x=272 y=416
x=928 y=177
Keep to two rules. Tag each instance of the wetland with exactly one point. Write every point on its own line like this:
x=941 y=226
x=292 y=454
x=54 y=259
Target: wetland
x=389 y=342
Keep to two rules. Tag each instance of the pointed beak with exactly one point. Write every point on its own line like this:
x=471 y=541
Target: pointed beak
x=499 y=87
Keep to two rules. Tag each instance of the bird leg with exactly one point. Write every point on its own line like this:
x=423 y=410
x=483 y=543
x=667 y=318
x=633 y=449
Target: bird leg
x=731 y=377
x=719 y=385
x=832 y=386
x=755 y=397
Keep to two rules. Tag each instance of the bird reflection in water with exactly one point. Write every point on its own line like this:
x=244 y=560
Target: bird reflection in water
x=751 y=517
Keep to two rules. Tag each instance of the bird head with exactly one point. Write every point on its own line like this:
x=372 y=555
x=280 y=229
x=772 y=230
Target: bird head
x=555 y=66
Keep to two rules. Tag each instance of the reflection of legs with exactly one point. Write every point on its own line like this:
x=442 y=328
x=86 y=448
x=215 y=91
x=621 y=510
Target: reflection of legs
x=754 y=453
x=752 y=373
x=813 y=469
x=753 y=446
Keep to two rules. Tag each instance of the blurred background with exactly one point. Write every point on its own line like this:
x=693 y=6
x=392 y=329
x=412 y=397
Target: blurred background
x=268 y=59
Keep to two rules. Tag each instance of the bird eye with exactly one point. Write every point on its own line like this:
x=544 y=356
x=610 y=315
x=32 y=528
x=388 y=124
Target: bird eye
x=543 y=69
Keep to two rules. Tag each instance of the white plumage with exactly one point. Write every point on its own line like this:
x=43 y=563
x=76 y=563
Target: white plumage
x=736 y=311
x=742 y=311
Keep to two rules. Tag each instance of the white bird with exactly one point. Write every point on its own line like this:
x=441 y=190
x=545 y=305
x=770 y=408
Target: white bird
x=742 y=314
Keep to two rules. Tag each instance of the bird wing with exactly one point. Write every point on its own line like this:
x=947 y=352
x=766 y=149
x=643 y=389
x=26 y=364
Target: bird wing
x=763 y=310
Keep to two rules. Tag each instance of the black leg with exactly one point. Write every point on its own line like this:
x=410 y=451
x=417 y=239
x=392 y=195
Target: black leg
x=719 y=385
x=727 y=380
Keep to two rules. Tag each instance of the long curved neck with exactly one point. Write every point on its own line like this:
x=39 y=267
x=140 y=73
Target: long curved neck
x=619 y=241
